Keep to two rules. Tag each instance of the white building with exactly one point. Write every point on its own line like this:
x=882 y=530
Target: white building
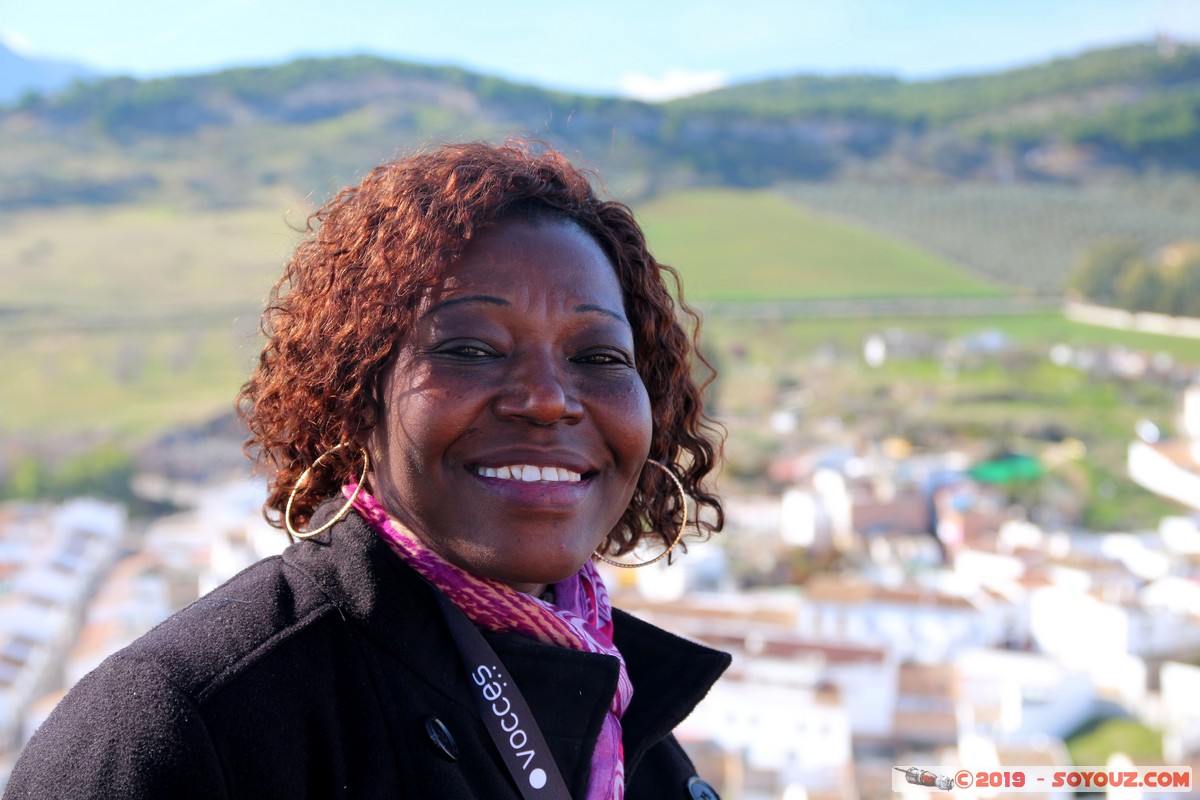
x=798 y=736
x=1018 y=698
x=915 y=623
x=1172 y=468
x=64 y=551
x=1081 y=628
x=1180 y=692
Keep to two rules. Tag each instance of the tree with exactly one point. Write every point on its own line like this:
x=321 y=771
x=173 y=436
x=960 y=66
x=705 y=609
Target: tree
x=1140 y=287
x=1100 y=270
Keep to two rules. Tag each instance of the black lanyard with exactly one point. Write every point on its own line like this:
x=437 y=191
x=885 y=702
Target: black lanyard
x=504 y=711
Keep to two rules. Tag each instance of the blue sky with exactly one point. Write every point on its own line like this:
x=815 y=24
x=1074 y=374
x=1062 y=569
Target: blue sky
x=638 y=47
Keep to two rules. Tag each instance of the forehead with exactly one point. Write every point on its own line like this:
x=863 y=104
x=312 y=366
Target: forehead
x=521 y=258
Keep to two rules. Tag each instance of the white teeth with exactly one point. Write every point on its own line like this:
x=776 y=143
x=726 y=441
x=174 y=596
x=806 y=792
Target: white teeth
x=531 y=474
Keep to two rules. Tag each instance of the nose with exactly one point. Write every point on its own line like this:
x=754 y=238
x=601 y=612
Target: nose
x=537 y=390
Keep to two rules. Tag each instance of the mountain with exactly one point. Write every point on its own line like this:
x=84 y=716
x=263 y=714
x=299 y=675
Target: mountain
x=1133 y=104
x=20 y=74
x=312 y=125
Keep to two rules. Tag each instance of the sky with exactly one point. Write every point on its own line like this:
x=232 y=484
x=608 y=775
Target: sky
x=639 y=48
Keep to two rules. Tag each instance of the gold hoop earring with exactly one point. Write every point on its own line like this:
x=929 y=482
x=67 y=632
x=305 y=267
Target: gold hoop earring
x=678 y=534
x=287 y=511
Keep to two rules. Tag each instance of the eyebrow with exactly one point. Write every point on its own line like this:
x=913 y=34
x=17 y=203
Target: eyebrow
x=488 y=299
x=470 y=298
x=586 y=307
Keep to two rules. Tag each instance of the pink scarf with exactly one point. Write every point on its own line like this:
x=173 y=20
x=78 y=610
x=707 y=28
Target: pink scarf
x=579 y=619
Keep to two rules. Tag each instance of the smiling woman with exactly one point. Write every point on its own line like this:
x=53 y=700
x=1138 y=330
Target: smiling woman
x=475 y=382
x=516 y=424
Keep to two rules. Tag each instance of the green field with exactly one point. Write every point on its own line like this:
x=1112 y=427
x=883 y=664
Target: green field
x=118 y=383
x=1022 y=235
x=130 y=320
x=144 y=262
x=127 y=320
x=731 y=245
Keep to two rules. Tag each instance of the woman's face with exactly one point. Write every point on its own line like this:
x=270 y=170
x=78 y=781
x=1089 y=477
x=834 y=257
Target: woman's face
x=515 y=424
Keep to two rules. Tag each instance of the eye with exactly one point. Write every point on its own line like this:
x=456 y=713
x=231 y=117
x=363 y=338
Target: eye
x=466 y=351
x=604 y=358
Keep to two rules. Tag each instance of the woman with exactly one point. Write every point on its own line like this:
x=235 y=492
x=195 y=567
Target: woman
x=474 y=384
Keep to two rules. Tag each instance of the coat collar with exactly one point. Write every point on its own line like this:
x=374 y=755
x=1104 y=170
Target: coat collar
x=669 y=674
x=393 y=605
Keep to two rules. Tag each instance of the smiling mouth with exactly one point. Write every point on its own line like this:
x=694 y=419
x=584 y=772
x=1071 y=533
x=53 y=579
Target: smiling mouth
x=529 y=473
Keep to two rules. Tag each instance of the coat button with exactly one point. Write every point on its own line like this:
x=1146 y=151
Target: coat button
x=700 y=790
x=442 y=741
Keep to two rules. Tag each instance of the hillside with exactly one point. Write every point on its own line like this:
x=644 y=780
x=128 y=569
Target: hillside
x=312 y=125
x=986 y=171
x=239 y=136
x=1130 y=104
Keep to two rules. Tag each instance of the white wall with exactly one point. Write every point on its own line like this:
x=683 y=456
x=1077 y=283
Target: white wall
x=777 y=728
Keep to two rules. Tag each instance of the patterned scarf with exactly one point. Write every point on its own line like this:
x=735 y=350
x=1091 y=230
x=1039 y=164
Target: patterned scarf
x=579 y=619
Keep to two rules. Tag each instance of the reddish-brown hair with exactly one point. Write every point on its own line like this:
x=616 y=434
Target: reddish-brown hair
x=352 y=286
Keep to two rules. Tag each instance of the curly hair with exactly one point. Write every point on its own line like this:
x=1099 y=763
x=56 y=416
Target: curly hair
x=352 y=288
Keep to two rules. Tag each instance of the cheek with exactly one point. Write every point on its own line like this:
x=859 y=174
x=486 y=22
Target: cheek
x=415 y=416
x=431 y=410
x=424 y=428
x=629 y=421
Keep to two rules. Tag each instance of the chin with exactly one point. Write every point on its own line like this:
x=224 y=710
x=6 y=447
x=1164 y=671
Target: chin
x=524 y=579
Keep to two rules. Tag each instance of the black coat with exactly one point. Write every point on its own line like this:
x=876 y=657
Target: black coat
x=325 y=672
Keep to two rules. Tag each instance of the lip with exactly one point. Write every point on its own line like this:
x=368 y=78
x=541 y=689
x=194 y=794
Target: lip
x=554 y=497
x=557 y=497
